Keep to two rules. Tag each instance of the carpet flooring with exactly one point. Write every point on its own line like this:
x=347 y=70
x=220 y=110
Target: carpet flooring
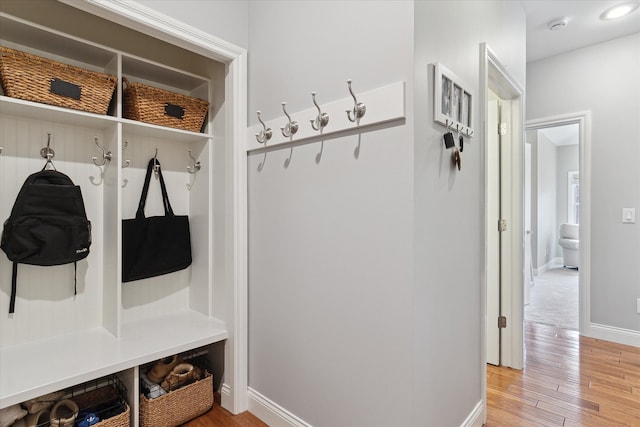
x=554 y=299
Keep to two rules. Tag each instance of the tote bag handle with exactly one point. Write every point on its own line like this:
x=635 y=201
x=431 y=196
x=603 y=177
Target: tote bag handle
x=168 y=211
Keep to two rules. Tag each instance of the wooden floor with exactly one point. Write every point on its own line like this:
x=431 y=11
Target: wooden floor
x=220 y=417
x=568 y=380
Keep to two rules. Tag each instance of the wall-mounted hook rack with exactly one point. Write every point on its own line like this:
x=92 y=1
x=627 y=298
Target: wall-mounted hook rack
x=196 y=164
x=452 y=100
x=265 y=134
x=291 y=127
x=386 y=105
x=358 y=110
x=106 y=155
x=126 y=162
x=322 y=119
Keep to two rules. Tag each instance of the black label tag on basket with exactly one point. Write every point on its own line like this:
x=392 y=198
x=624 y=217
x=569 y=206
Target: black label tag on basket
x=174 y=111
x=62 y=88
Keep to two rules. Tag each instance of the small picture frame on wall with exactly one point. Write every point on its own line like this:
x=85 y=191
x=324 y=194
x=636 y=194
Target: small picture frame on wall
x=453 y=101
x=457 y=104
x=466 y=109
x=446 y=96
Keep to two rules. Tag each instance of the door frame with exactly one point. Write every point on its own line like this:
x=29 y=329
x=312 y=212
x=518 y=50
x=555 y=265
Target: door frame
x=494 y=75
x=583 y=120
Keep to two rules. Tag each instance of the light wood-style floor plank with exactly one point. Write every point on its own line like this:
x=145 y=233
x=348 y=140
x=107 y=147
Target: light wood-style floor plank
x=220 y=417
x=568 y=380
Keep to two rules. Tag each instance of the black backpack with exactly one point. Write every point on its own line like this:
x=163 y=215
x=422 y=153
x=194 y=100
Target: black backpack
x=48 y=225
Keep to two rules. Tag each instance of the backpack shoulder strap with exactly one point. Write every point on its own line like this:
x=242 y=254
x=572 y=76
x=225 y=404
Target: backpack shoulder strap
x=14 y=277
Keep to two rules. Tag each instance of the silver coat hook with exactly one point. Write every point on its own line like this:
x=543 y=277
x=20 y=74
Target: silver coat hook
x=126 y=162
x=265 y=134
x=48 y=152
x=358 y=110
x=322 y=119
x=156 y=166
x=290 y=128
x=196 y=165
x=449 y=124
x=106 y=155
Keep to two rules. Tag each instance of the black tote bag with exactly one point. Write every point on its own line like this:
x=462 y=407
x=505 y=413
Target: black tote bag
x=156 y=245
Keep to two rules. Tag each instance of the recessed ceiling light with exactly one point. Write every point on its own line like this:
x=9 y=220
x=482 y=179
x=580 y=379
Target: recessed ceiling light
x=619 y=11
x=558 y=24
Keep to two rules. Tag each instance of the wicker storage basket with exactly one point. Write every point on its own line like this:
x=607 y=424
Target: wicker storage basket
x=34 y=78
x=178 y=406
x=162 y=107
x=101 y=395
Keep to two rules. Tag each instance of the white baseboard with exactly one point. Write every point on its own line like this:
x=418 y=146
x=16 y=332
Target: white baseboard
x=553 y=263
x=614 y=334
x=271 y=413
x=476 y=417
x=275 y=415
x=226 y=400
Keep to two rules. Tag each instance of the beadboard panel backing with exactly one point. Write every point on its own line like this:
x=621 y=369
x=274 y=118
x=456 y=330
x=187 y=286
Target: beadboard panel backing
x=45 y=303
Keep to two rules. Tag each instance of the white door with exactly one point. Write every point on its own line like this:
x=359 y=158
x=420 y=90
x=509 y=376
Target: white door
x=493 y=238
x=500 y=228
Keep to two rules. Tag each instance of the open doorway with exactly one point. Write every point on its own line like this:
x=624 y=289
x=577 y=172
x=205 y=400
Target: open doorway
x=577 y=182
x=552 y=176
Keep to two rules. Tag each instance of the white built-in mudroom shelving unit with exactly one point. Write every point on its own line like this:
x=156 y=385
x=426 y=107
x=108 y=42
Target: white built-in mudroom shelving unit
x=56 y=340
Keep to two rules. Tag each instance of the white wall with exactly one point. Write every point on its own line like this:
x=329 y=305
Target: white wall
x=448 y=317
x=330 y=239
x=603 y=79
x=226 y=19
x=364 y=264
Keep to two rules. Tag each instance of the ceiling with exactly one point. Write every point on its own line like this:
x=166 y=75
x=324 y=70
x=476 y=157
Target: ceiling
x=562 y=135
x=585 y=27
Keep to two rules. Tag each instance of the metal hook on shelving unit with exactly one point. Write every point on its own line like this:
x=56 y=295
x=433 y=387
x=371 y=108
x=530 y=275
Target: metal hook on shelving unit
x=106 y=155
x=290 y=128
x=156 y=165
x=196 y=165
x=358 y=110
x=126 y=162
x=48 y=153
x=265 y=134
x=322 y=119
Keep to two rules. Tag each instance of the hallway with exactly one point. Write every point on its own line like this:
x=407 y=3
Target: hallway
x=554 y=299
x=568 y=380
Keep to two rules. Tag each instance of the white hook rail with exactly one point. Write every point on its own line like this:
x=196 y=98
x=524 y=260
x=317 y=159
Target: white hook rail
x=383 y=104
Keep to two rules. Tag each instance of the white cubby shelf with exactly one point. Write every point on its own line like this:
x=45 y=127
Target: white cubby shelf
x=38 y=367
x=56 y=340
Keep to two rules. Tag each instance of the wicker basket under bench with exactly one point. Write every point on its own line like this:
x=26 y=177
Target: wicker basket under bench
x=101 y=395
x=38 y=79
x=178 y=406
